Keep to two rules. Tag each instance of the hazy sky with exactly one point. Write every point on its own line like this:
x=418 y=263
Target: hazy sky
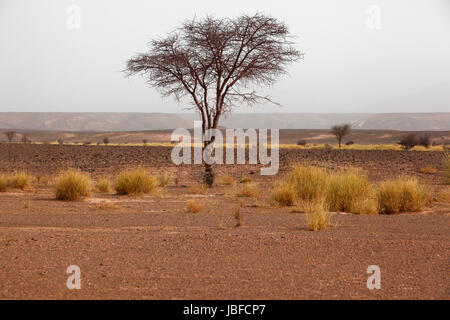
x=360 y=56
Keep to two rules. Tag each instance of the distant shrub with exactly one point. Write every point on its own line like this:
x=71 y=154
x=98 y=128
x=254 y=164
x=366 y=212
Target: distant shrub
x=73 y=185
x=105 y=140
x=346 y=188
x=20 y=180
x=301 y=142
x=86 y=143
x=136 y=181
x=198 y=189
x=194 y=206
x=104 y=185
x=349 y=143
x=10 y=135
x=317 y=215
x=25 y=138
x=284 y=194
x=424 y=141
x=309 y=182
x=60 y=141
x=144 y=141
x=403 y=194
x=409 y=141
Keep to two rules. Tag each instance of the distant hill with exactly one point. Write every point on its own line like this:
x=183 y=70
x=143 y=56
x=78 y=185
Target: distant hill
x=49 y=121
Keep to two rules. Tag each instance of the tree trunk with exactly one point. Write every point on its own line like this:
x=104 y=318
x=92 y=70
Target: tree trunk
x=208 y=175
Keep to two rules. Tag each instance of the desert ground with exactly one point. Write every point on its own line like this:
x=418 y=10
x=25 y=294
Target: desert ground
x=151 y=247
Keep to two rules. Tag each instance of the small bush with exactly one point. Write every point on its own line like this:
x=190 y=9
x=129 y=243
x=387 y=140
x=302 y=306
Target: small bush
x=424 y=141
x=345 y=188
x=403 y=194
x=317 y=215
x=194 y=206
x=365 y=206
x=248 y=190
x=104 y=185
x=301 y=142
x=283 y=195
x=409 y=141
x=72 y=185
x=238 y=216
x=20 y=180
x=349 y=143
x=3 y=182
x=309 y=182
x=135 y=181
x=163 y=181
x=227 y=180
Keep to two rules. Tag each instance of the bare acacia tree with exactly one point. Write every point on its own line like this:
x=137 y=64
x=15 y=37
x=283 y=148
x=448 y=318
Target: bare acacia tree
x=341 y=131
x=217 y=63
x=10 y=135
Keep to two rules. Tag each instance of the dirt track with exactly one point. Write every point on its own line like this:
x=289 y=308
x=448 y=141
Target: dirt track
x=149 y=247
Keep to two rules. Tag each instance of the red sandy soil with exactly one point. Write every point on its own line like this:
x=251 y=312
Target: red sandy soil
x=150 y=247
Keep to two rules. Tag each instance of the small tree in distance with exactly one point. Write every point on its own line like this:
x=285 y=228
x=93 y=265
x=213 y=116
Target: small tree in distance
x=106 y=140
x=10 y=135
x=215 y=63
x=409 y=141
x=340 y=131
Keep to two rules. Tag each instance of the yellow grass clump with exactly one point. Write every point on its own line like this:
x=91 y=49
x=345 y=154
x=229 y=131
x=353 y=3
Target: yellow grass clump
x=194 y=206
x=402 y=195
x=20 y=180
x=3 y=182
x=198 y=189
x=444 y=195
x=248 y=190
x=135 y=181
x=346 y=188
x=284 y=195
x=310 y=182
x=227 y=180
x=104 y=185
x=365 y=206
x=317 y=215
x=428 y=169
x=245 y=180
x=163 y=181
x=72 y=185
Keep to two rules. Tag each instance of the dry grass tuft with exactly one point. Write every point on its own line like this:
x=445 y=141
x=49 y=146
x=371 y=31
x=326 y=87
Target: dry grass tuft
x=309 y=182
x=403 y=194
x=238 y=216
x=198 y=189
x=245 y=180
x=135 y=181
x=248 y=190
x=429 y=169
x=345 y=189
x=365 y=206
x=227 y=180
x=72 y=185
x=317 y=215
x=3 y=182
x=104 y=185
x=20 y=180
x=163 y=181
x=444 y=195
x=194 y=206
x=283 y=195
